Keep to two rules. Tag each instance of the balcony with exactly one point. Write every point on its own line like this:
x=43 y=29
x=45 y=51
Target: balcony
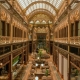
x=4 y=39
x=62 y=40
x=75 y=40
x=25 y=39
x=17 y=39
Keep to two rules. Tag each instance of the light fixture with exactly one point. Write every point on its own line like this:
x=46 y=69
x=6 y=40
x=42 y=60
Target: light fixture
x=36 y=78
x=42 y=64
x=38 y=58
x=36 y=64
x=1 y=64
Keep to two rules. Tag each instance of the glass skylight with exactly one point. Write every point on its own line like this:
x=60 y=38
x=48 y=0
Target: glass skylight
x=25 y=3
x=40 y=6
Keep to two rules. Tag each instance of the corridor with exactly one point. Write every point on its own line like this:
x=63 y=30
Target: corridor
x=54 y=73
x=29 y=25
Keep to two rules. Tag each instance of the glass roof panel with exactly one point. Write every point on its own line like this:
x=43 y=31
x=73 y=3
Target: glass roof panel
x=41 y=6
x=25 y=3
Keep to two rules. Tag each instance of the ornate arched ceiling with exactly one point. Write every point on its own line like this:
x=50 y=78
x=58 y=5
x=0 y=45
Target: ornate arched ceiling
x=42 y=2
x=35 y=7
x=41 y=19
x=42 y=11
x=30 y=5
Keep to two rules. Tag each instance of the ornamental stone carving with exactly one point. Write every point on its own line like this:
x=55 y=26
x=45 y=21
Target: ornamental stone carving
x=3 y=15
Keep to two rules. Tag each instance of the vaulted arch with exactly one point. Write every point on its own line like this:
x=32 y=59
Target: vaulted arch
x=40 y=11
x=40 y=2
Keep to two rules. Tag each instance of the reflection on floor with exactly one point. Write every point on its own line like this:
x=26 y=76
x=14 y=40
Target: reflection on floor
x=25 y=72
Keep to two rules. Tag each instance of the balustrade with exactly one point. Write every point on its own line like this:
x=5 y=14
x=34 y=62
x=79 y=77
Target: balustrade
x=75 y=61
x=75 y=40
x=17 y=52
x=4 y=39
x=62 y=40
x=25 y=39
x=16 y=39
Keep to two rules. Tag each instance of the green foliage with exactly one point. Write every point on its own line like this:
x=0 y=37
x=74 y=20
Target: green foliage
x=76 y=73
x=46 y=73
x=15 y=60
x=47 y=49
x=40 y=53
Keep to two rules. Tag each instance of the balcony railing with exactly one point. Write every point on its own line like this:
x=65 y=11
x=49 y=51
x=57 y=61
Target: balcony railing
x=75 y=59
x=75 y=40
x=25 y=39
x=62 y=40
x=4 y=39
x=17 y=39
x=62 y=51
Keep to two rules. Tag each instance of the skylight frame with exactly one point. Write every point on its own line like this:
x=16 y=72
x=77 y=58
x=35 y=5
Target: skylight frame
x=41 y=6
x=25 y=3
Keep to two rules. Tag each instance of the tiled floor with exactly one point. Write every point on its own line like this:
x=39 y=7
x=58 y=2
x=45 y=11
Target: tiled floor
x=54 y=72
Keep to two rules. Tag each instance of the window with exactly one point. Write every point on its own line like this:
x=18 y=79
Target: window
x=67 y=31
x=13 y=31
x=8 y=29
x=24 y=34
x=7 y=49
x=0 y=28
x=72 y=30
x=76 y=28
x=1 y=50
x=3 y=28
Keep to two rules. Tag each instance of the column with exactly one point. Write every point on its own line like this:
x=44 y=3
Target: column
x=69 y=65
x=11 y=32
x=28 y=51
x=10 y=66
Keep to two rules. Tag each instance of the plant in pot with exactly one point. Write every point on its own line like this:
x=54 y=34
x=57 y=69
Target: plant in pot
x=40 y=54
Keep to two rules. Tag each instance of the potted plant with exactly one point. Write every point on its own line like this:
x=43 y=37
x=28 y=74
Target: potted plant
x=40 y=53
